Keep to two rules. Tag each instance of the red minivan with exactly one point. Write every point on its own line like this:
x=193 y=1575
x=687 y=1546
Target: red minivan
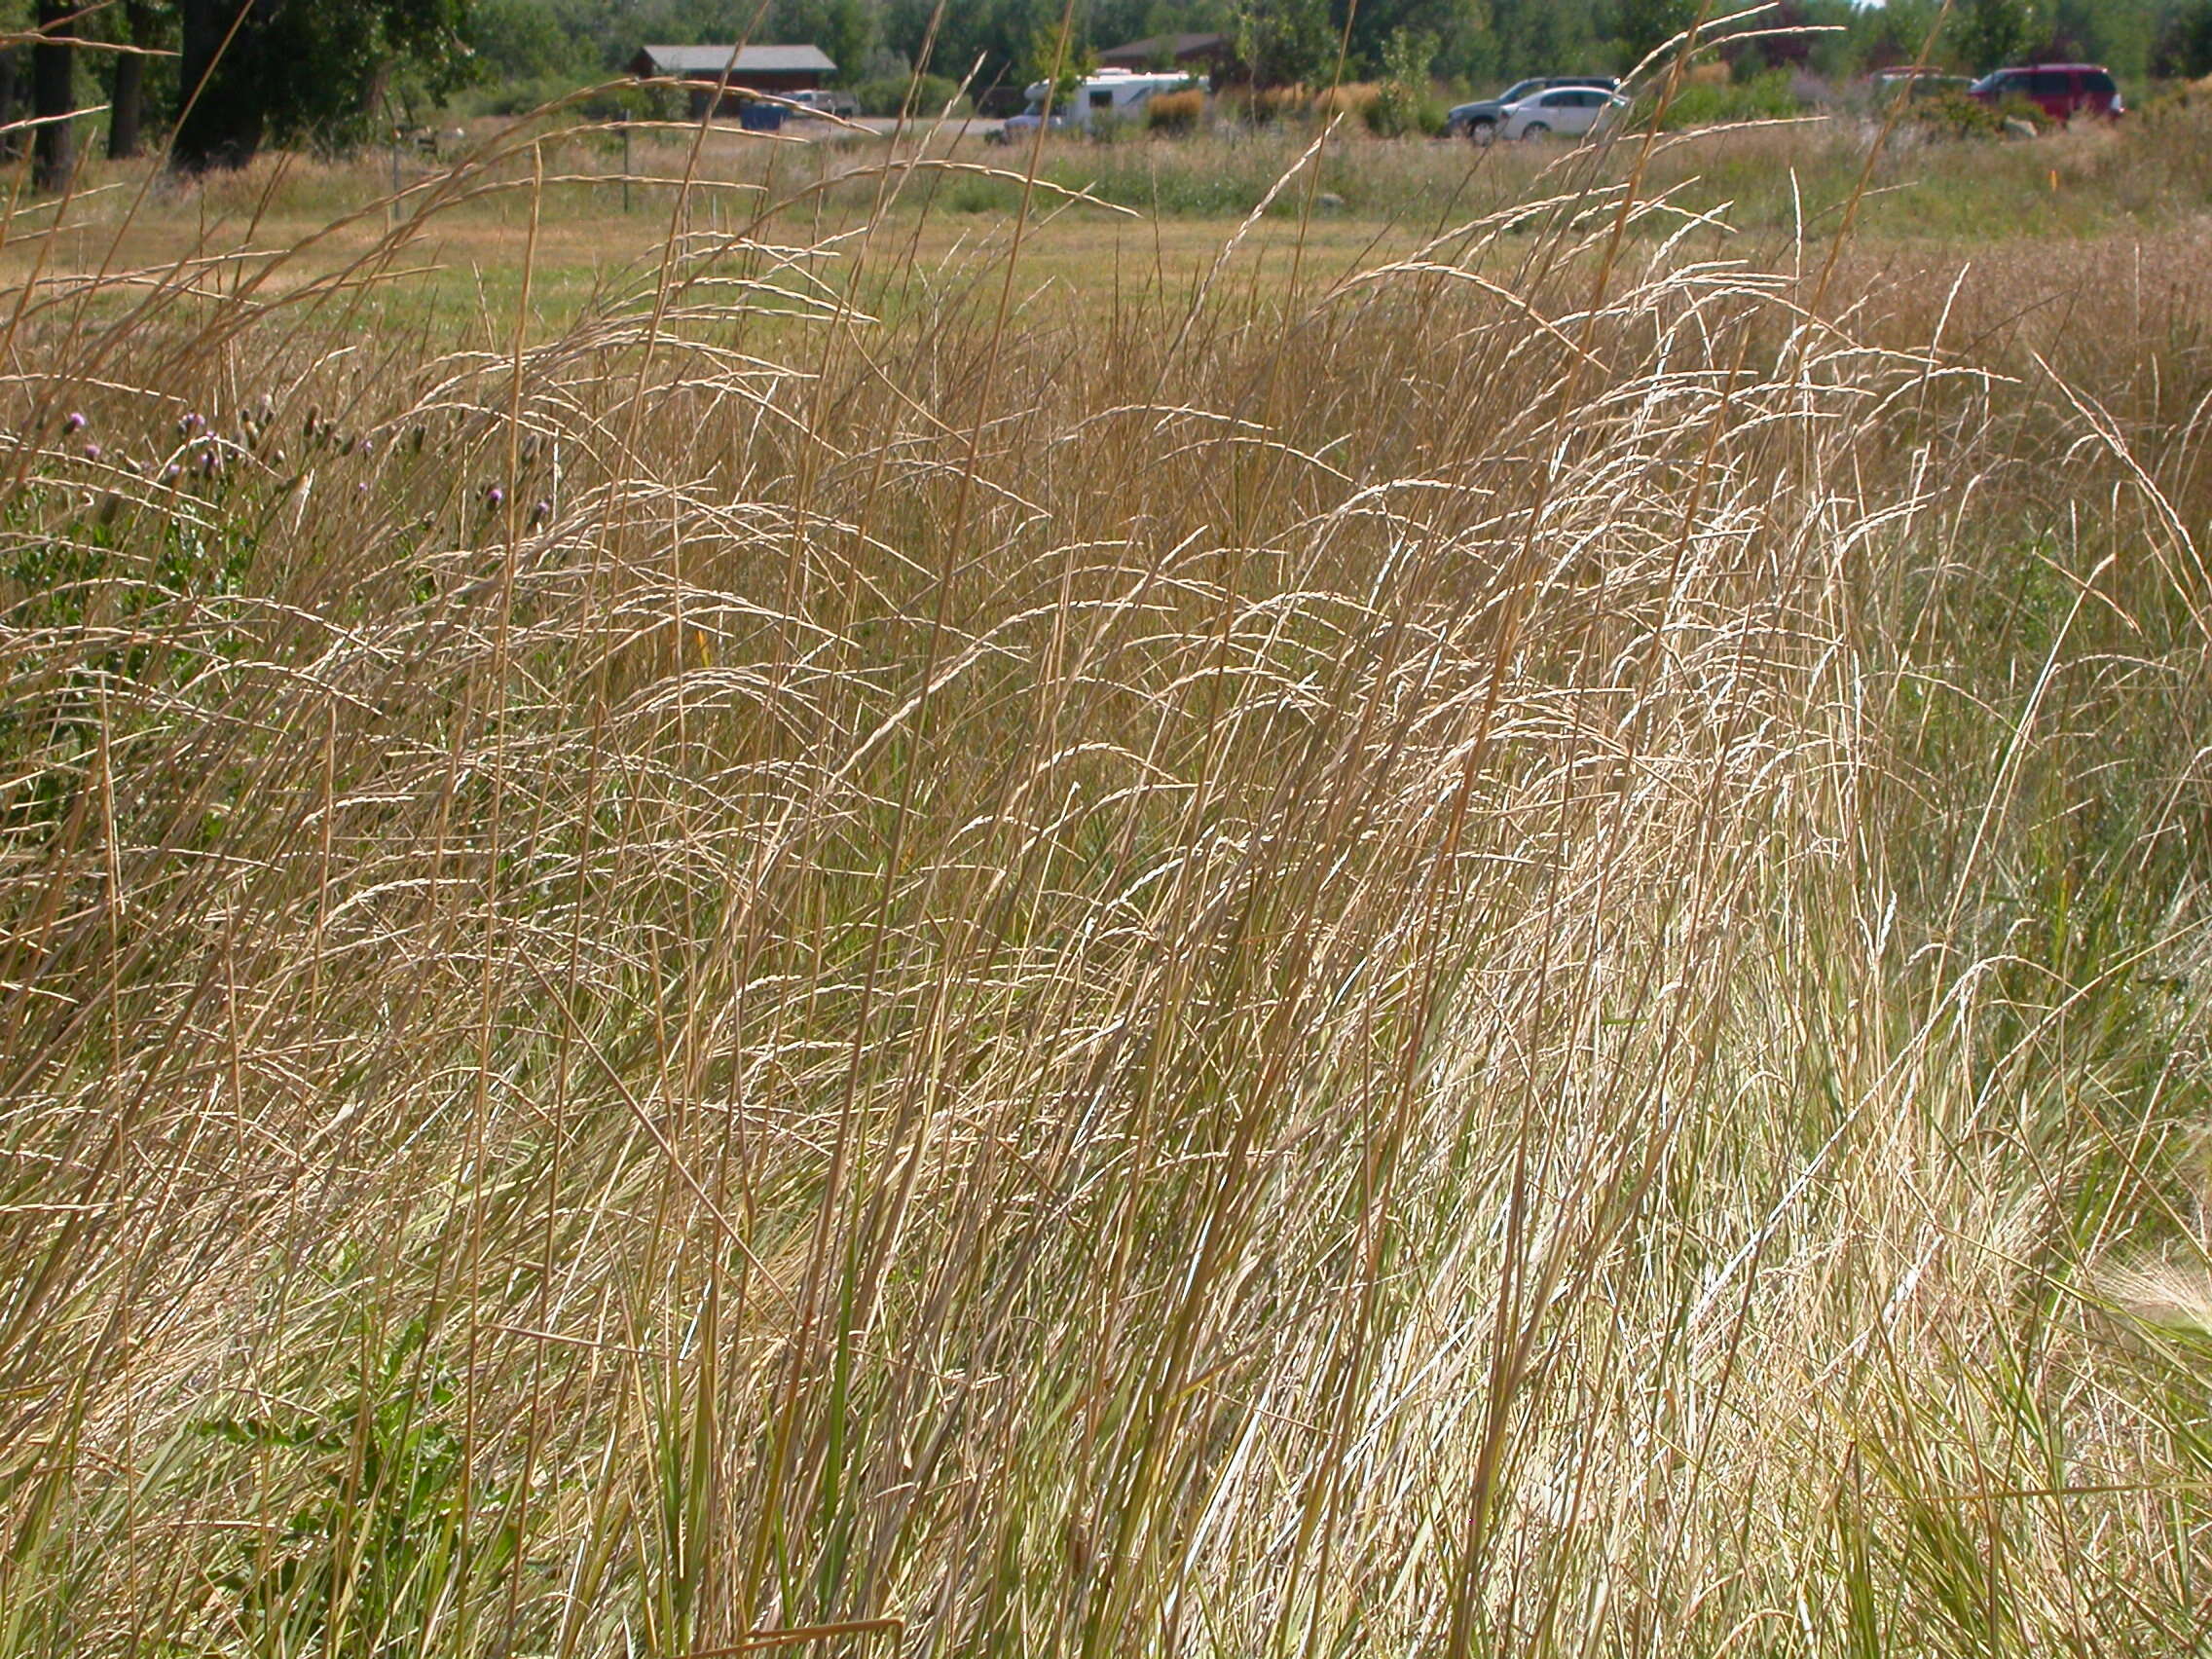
x=2061 y=90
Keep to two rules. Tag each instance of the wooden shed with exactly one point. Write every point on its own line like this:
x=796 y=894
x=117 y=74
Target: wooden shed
x=737 y=70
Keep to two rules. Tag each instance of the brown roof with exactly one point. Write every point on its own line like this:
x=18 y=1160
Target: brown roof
x=1173 y=47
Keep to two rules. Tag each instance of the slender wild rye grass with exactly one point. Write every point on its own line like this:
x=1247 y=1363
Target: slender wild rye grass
x=1504 y=956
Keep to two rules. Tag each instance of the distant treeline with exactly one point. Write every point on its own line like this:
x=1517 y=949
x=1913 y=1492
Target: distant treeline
x=332 y=73
x=1471 y=40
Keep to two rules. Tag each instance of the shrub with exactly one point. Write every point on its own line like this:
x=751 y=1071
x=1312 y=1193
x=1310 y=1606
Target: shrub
x=1954 y=115
x=1404 y=114
x=1176 y=112
x=512 y=97
x=2018 y=106
x=619 y=102
x=1708 y=103
x=1401 y=111
x=931 y=94
x=1355 y=98
x=1263 y=104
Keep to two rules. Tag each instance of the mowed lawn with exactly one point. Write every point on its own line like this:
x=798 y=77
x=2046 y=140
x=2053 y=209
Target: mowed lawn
x=297 y=229
x=943 y=210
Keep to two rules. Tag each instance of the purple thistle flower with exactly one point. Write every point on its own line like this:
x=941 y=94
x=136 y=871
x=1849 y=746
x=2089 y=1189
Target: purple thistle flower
x=92 y=451
x=541 y=512
x=171 y=473
x=188 y=423
x=494 y=496
x=75 y=421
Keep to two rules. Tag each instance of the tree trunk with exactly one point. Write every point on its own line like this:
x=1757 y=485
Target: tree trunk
x=10 y=101
x=223 y=116
x=375 y=90
x=53 y=67
x=127 y=100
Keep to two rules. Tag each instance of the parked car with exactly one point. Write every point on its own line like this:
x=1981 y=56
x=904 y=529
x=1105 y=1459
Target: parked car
x=2061 y=90
x=1478 y=119
x=1110 y=94
x=1566 y=112
x=822 y=100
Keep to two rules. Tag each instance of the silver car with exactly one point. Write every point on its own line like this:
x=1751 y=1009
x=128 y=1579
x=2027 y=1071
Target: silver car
x=1566 y=112
x=1478 y=119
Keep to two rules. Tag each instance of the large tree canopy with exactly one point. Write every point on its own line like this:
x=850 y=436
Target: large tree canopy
x=312 y=71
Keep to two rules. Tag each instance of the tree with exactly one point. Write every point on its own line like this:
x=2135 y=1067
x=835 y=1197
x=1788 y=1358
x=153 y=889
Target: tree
x=1552 y=37
x=1375 y=23
x=1469 y=48
x=126 y=96
x=1064 y=63
x=2121 y=35
x=224 y=114
x=845 y=29
x=2185 y=40
x=54 y=95
x=1402 y=102
x=1287 y=42
x=521 y=39
x=281 y=71
x=1988 y=34
x=1882 y=37
x=1644 y=26
x=985 y=37
x=11 y=102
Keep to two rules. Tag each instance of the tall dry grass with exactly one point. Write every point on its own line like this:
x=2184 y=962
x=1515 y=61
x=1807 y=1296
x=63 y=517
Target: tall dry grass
x=1505 y=957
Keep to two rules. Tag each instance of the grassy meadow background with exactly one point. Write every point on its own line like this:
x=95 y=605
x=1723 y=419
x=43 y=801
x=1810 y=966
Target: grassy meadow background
x=1388 y=900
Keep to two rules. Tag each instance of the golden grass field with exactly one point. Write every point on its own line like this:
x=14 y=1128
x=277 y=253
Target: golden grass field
x=1469 y=921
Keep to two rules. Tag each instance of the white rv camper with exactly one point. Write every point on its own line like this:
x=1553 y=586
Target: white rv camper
x=1107 y=96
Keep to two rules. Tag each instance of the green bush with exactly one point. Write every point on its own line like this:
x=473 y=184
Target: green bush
x=1768 y=96
x=2018 y=106
x=630 y=103
x=1401 y=111
x=511 y=98
x=1954 y=115
x=931 y=94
